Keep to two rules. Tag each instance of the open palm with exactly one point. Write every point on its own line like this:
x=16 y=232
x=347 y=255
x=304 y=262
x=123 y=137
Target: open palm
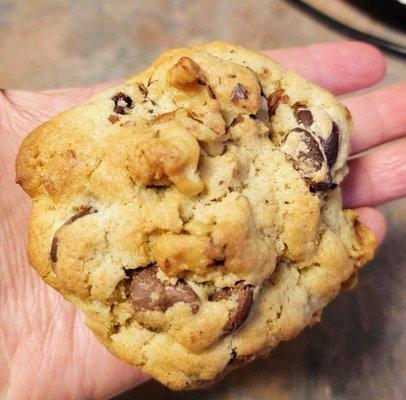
x=45 y=349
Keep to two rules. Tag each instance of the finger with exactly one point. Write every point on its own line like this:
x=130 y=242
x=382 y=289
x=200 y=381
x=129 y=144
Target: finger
x=374 y=220
x=378 y=117
x=377 y=177
x=26 y=110
x=340 y=67
x=43 y=105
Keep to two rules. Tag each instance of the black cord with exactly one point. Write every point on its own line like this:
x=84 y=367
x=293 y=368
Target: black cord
x=392 y=47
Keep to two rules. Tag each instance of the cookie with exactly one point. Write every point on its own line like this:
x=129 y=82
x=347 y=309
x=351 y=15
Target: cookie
x=194 y=212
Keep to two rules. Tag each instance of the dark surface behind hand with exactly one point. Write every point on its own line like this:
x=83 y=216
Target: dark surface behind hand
x=358 y=351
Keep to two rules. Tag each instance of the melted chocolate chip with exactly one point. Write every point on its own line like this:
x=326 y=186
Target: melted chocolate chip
x=243 y=295
x=239 y=92
x=55 y=241
x=237 y=360
x=303 y=115
x=331 y=144
x=312 y=156
x=54 y=249
x=216 y=264
x=274 y=99
x=121 y=102
x=80 y=214
x=148 y=293
x=322 y=186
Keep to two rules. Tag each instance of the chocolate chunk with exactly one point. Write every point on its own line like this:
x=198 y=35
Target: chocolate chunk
x=148 y=293
x=119 y=109
x=54 y=249
x=237 y=360
x=216 y=264
x=330 y=145
x=243 y=295
x=55 y=241
x=239 y=92
x=274 y=99
x=303 y=115
x=121 y=102
x=322 y=186
x=143 y=90
x=307 y=156
x=113 y=118
x=80 y=214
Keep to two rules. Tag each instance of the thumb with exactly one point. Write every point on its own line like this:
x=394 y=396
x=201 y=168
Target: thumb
x=29 y=109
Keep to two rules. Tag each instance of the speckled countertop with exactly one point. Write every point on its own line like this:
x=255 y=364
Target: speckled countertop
x=358 y=351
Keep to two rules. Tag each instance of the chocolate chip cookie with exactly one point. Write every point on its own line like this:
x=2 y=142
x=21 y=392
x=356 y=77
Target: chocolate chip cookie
x=194 y=212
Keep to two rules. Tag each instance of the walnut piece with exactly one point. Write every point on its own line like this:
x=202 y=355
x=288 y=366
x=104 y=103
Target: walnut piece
x=185 y=73
x=177 y=253
x=173 y=154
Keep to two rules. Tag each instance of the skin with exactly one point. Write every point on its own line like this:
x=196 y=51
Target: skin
x=45 y=349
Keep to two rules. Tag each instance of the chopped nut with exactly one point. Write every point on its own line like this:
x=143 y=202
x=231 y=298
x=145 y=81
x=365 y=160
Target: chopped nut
x=237 y=120
x=274 y=99
x=185 y=73
x=239 y=92
x=113 y=118
x=71 y=154
x=143 y=90
x=174 y=154
x=177 y=253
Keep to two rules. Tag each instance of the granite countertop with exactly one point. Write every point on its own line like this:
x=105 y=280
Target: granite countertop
x=358 y=351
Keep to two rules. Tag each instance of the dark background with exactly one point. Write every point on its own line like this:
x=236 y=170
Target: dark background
x=358 y=351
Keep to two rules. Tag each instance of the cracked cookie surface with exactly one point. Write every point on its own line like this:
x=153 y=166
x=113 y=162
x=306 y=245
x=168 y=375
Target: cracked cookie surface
x=194 y=212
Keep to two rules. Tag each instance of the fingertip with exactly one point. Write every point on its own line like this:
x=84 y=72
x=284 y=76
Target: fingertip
x=370 y=60
x=340 y=67
x=359 y=64
x=374 y=220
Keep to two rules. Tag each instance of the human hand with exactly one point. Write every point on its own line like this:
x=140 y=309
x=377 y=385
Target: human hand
x=45 y=349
